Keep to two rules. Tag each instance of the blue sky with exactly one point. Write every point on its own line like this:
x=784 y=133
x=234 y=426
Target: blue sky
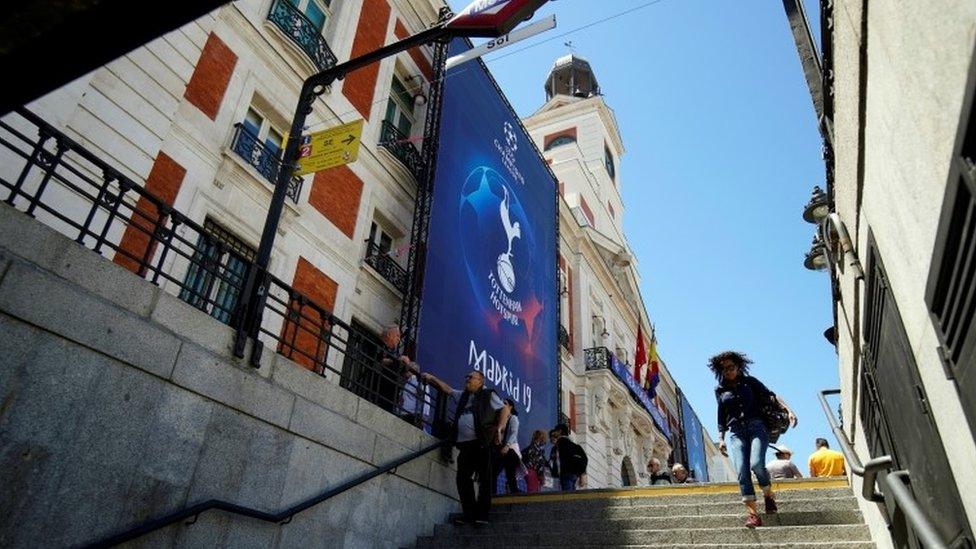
x=722 y=152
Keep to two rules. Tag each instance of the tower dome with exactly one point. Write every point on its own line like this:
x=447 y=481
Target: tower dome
x=571 y=75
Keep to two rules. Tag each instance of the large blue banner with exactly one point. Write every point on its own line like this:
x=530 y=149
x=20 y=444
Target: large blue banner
x=489 y=299
x=639 y=394
x=697 y=460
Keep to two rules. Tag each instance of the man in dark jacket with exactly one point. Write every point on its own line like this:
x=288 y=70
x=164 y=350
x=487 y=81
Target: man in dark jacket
x=479 y=421
x=568 y=460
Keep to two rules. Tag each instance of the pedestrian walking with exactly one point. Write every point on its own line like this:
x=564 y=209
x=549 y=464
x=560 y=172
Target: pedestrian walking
x=782 y=466
x=825 y=462
x=534 y=458
x=568 y=460
x=479 y=422
x=509 y=456
x=741 y=399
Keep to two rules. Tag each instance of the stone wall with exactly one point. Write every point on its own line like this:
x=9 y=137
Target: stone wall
x=120 y=403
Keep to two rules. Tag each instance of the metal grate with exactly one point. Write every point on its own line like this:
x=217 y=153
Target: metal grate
x=225 y=254
x=953 y=300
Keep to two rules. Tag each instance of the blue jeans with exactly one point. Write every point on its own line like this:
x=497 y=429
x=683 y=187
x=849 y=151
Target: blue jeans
x=568 y=483
x=747 y=449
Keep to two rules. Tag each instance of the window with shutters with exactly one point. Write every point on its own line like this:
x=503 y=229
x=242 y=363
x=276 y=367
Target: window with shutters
x=951 y=291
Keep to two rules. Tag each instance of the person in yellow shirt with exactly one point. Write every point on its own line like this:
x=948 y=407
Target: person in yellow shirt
x=825 y=462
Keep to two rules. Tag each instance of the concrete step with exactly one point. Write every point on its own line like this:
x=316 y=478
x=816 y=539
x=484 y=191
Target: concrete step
x=799 y=545
x=600 y=509
x=646 y=496
x=558 y=536
x=658 y=523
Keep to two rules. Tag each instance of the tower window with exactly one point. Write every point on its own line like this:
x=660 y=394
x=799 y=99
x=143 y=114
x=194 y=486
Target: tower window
x=608 y=161
x=560 y=141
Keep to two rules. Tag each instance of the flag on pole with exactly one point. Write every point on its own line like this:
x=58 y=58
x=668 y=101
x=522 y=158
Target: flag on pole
x=640 y=356
x=653 y=371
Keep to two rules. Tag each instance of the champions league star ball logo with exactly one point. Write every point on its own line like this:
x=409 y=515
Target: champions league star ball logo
x=497 y=240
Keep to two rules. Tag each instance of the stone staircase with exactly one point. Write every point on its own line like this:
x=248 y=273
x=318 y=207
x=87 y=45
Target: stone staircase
x=818 y=514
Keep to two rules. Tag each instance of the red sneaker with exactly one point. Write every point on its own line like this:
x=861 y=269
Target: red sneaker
x=770 y=505
x=753 y=521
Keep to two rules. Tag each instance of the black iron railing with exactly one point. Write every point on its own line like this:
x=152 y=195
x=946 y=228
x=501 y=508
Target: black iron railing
x=564 y=338
x=400 y=146
x=386 y=266
x=305 y=34
x=282 y=517
x=266 y=160
x=50 y=177
x=596 y=358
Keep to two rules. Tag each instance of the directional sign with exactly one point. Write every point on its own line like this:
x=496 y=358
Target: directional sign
x=329 y=148
x=496 y=44
x=492 y=17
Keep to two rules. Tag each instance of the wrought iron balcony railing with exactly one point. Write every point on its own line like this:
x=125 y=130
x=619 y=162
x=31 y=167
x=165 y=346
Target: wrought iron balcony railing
x=600 y=358
x=399 y=145
x=596 y=358
x=305 y=34
x=564 y=338
x=264 y=159
x=382 y=263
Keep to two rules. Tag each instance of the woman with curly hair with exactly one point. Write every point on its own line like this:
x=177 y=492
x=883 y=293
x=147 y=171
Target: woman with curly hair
x=739 y=398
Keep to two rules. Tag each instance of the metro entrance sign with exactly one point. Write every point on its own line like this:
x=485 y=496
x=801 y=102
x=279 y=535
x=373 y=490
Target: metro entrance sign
x=482 y=17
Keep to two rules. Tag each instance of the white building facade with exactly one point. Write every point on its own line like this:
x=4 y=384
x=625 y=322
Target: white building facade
x=601 y=308
x=200 y=114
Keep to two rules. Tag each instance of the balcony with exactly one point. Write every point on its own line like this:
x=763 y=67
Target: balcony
x=386 y=267
x=264 y=159
x=600 y=358
x=399 y=145
x=564 y=338
x=305 y=34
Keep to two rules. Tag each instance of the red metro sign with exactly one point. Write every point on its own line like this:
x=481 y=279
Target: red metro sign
x=492 y=17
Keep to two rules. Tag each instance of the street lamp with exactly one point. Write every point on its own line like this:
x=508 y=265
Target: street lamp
x=817 y=208
x=816 y=258
x=481 y=18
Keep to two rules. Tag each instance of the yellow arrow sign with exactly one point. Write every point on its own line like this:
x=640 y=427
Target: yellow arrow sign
x=329 y=148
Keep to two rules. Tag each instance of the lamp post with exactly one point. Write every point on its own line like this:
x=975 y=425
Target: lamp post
x=481 y=18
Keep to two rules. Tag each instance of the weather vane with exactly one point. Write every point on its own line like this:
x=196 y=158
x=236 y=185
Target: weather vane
x=570 y=46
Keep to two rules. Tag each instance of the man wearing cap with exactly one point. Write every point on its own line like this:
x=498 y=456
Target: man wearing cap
x=782 y=467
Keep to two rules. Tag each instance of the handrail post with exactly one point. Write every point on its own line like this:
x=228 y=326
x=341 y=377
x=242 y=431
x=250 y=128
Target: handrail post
x=894 y=481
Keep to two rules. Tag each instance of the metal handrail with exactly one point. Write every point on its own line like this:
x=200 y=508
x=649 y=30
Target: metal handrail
x=893 y=482
x=282 y=517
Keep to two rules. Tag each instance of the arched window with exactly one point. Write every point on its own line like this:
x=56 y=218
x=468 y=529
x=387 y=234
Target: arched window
x=608 y=160
x=559 y=141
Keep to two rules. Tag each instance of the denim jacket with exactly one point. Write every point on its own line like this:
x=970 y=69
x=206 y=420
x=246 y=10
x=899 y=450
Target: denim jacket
x=739 y=402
